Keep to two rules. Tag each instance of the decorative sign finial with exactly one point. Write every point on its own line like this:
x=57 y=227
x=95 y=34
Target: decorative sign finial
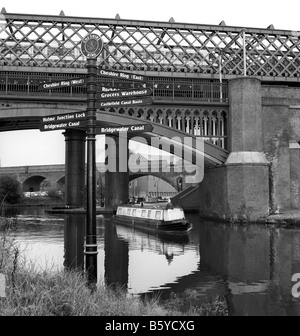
x=91 y=46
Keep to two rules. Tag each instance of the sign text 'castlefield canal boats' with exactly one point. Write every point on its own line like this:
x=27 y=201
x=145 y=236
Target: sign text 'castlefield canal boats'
x=153 y=216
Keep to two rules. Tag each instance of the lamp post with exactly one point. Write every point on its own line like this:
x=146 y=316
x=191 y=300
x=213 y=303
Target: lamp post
x=91 y=47
x=156 y=184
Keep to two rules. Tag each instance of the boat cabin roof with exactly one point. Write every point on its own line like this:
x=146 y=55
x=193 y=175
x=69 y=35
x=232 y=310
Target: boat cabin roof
x=151 y=205
x=151 y=211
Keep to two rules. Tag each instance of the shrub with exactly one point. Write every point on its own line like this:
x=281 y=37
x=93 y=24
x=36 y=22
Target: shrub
x=54 y=194
x=10 y=189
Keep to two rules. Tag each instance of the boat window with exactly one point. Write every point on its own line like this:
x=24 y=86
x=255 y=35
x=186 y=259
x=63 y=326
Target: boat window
x=149 y=213
x=119 y=211
x=128 y=212
x=144 y=213
x=133 y=212
x=173 y=214
x=158 y=215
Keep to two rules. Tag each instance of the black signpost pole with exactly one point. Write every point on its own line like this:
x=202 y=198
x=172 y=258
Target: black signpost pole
x=91 y=47
x=91 y=235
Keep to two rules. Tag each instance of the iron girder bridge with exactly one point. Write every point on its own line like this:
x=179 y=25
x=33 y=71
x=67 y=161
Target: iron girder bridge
x=188 y=65
x=155 y=48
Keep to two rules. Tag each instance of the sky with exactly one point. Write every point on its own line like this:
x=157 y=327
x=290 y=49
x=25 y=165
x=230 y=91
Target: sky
x=32 y=147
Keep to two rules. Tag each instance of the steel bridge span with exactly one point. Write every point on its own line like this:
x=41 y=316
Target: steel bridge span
x=236 y=88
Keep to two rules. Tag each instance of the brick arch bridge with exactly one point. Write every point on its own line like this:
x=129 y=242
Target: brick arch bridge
x=31 y=177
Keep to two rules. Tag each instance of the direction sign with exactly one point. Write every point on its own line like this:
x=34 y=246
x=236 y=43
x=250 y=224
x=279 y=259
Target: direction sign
x=124 y=102
x=122 y=75
x=58 y=118
x=123 y=94
x=63 y=125
x=125 y=128
x=106 y=88
x=63 y=83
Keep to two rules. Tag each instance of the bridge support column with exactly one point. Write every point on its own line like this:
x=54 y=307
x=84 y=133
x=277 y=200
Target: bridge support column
x=75 y=167
x=117 y=173
x=247 y=169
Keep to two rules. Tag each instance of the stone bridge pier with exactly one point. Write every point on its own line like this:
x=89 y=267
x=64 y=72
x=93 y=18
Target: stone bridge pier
x=117 y=174
x=75 y=167
x=239 y=189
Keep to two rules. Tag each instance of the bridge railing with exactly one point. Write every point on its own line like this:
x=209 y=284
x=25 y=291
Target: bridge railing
x=40 y=41
x=168 y=89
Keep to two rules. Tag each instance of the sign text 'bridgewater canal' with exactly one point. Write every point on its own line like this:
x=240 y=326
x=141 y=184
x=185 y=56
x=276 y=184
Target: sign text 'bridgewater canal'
x=63 y=125
x=125 y=128
x=62 y=121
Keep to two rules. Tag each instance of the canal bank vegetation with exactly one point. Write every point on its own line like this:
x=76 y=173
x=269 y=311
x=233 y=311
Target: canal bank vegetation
x=10 y=190
x=29 y=292
x=11 y=194
x=50 y=198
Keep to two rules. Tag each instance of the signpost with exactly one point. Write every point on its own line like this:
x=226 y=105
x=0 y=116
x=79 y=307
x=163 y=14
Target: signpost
x=101 y=96
x=91 y=47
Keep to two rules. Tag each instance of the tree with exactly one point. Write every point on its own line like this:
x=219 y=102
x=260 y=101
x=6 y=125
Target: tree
x=45 y=185
x=10 y=189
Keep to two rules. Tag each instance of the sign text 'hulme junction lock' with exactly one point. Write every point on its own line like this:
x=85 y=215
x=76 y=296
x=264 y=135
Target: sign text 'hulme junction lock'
x=62 y=121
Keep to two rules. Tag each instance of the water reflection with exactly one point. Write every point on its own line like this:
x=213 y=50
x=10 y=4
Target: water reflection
x=153 y=261
x=116 y=258
x=74 y=231
x=256 y=264
x=251 y=266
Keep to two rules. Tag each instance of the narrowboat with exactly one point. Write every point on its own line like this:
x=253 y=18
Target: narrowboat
x=162 y=217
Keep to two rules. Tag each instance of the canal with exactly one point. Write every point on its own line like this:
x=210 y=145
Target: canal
x=250 y=265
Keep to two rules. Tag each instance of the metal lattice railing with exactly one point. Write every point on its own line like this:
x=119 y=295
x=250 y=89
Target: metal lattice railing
x=164 y=47
x=167 y=89
x=210 y=124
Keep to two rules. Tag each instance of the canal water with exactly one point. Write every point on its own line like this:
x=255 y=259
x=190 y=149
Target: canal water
x=251 y=266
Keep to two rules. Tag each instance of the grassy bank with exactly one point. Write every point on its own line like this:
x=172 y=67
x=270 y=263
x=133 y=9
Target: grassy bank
x=33 y=293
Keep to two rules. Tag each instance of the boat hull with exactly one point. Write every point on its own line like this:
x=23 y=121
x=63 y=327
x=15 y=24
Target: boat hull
x=175 y=227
